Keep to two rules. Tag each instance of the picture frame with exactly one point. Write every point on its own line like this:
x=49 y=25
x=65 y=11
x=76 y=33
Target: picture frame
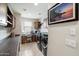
x=62 y=12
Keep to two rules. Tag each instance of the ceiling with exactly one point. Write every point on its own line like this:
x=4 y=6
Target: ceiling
x=29 y=10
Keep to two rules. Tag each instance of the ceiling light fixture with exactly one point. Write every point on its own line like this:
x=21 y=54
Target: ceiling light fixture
x=24 y=9
x=35 y=4
x=39 y=13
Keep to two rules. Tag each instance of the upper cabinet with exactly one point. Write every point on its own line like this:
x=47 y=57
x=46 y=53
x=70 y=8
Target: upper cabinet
x=3 y=13
x=37 y=24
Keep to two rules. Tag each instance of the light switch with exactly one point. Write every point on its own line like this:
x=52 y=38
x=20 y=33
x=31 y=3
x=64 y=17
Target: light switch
x=72 y=32
x=71 y=43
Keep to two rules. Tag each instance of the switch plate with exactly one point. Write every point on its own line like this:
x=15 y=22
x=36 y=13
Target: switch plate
x=72 y=32
x=71 y=43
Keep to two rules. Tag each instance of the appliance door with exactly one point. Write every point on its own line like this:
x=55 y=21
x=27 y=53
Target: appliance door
x=39 y=45
x=44 y=49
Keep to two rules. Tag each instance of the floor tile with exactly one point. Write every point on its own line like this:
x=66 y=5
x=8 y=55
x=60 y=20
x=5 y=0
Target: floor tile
x=30 y=49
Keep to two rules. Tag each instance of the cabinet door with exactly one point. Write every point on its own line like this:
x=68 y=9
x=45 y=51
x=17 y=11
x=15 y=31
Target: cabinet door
x=3 y=14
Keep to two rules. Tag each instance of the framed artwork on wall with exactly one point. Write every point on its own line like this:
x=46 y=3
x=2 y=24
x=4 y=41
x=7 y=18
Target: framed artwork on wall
x=63 y=12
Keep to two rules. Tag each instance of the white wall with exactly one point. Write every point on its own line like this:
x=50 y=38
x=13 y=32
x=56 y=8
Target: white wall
x=26 y=25
x=44 y=27
x=27 y=22
x=56 y=39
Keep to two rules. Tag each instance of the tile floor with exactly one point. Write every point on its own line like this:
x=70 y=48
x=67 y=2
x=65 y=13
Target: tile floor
x=30 y=49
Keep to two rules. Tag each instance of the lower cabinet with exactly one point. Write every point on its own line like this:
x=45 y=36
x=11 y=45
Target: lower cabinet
x=10 y=46
x=14 y=46
x=26 y=39
x=4 y=47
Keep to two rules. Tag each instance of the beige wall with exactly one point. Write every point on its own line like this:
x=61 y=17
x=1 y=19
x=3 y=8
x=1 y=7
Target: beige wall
x=56 y=39
x=17 y=29
x=17 y=23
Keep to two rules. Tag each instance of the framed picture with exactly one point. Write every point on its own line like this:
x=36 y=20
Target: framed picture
x=63 y=12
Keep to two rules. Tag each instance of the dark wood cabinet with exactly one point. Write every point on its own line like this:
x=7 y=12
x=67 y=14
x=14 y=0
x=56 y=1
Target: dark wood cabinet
x=24 y=39
x=34 y=38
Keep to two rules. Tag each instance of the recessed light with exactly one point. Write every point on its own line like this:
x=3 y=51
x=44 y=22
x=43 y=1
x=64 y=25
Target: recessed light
x=24 y=9
x=39 y=13
x=35 y=4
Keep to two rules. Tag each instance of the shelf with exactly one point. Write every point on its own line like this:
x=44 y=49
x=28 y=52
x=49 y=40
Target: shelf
x=9 y=22
x=9 y=16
